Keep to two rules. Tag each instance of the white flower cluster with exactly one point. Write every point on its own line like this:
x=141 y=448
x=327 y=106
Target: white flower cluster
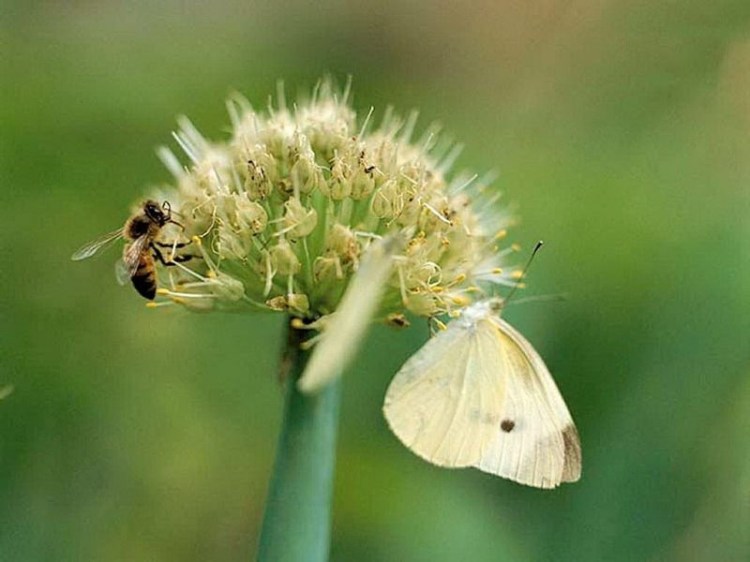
x=278 y=216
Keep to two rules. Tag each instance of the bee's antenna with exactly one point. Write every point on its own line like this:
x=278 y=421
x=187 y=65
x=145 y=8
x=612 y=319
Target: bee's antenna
x=523 y=272
x=167 y=206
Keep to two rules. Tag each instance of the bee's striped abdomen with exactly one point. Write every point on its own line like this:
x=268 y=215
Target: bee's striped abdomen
x=144 y=279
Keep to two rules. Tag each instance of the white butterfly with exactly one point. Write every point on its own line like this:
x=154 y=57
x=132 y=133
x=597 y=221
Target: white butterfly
x=478 y=394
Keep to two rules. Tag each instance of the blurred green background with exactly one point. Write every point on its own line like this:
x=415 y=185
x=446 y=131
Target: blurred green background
x=621 y=130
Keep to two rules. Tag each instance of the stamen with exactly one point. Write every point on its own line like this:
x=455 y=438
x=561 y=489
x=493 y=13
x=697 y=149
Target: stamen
x=363 y=129
x=191 y=272
x=170 y=162
x=347 y=90
x=280 y=95
x=457 y=280
x=464 y=185
x=402 y=285
x=438 y=323
x=307 y=344
x=425 y=144
x=486 y=272
x=461 y=300
x=370 y=235
x=269 y=275
x=172 y=294
x=437 y=214
x=159 y=304
x=235 y=117
x=206 y=258
x=450 y=159
x=408 y=129
x=185 y=146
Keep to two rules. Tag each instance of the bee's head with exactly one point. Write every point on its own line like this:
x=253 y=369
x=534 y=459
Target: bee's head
x=160 y=214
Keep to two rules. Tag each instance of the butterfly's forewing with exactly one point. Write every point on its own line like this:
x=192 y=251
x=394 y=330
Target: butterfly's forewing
x=445 y=402
x=536 y=443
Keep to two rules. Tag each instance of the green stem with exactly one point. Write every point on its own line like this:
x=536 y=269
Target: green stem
x=296 y=523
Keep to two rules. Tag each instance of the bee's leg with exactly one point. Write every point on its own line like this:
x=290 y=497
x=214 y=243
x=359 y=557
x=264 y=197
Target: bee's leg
x=179 y=259
x=167 y=263
x=172 y=245
x=157 y=254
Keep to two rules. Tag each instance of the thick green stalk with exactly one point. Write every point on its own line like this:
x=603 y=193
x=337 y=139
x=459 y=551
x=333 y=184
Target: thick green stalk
x=297 y=520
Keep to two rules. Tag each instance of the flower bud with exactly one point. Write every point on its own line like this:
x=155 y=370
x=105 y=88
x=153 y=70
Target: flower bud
x=327 y=268
x=284 y=260
x=232 y=245
x=251 y=216
x=363 y=184
x=387 y=201
x=298 y=220
x=256 y=184
x=306 y=175
x=339 y=185
x=343 y=243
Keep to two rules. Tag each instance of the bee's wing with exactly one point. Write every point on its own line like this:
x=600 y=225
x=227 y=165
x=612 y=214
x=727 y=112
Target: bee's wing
x=445 y=403
x=121 y=272
x=132 y=255
x=537 y=443
x=97 y=245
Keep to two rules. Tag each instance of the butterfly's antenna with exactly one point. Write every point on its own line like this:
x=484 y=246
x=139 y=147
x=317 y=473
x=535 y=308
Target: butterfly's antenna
x=542 y=298
x=523 y=272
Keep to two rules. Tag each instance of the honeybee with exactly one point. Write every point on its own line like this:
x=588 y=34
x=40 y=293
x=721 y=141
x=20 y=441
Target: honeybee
x=137 y=262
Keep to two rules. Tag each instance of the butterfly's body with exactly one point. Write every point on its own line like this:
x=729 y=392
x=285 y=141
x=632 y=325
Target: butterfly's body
x=479 y=395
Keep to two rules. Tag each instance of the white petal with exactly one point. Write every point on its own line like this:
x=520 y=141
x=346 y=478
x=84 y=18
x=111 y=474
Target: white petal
x=342 y=335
